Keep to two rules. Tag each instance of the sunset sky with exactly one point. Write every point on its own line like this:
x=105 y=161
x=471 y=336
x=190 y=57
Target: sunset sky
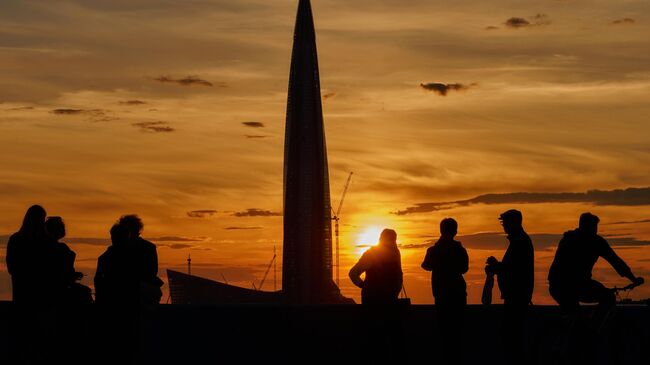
x=175 y=110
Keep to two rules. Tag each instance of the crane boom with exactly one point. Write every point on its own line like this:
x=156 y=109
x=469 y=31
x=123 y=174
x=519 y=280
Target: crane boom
x=336 y=219
x=345 y=190
x=268 y=268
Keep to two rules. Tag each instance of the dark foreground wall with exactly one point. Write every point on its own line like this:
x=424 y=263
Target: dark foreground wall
x=270 y=334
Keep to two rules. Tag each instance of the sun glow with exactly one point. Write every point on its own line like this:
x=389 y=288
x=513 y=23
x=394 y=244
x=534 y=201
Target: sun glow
x=369 y=236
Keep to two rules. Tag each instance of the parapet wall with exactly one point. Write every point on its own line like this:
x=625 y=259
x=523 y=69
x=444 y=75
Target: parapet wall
x=172 y=334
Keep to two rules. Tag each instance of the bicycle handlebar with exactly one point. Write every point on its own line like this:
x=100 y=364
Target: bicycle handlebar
x=629 y=286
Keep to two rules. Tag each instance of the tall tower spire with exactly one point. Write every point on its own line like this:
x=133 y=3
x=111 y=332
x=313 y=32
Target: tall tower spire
x=307 y=257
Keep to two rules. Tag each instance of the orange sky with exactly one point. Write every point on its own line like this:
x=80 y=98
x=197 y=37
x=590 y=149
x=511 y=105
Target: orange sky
x=163 y=108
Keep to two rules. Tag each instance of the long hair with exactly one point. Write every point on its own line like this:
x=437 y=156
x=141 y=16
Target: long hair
x=34 y=222
x=388 y=239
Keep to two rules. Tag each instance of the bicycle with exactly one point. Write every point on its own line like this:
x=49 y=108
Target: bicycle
x=584 y=331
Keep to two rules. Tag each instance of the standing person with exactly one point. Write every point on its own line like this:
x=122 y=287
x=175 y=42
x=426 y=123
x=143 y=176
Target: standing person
x=447 y=260
x=569 y=277
x=31 y=325
x=383 y=267
x=515 y=277
x=27 y=257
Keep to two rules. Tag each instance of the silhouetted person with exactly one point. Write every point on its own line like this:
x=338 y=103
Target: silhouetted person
x=515 y=277
x=569 y=277
x=61 y=267
x=383 y=267
x=32 y=322
x=27 y=256
x=447 y=260
x=127 y=273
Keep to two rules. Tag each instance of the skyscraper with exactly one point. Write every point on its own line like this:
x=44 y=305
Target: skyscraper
x=307 y=251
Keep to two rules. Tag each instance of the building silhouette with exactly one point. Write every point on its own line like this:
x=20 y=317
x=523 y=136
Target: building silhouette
x=307 y=249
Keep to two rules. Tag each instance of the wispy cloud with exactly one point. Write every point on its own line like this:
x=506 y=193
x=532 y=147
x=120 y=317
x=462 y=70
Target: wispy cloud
x=204 y=213
x=70 y=111
x=158 y=127
x=536 y=20
x=253 y=212
x=234 y=228
x=186 y=81
x=541 y=241
x=442 y=89
x=133 y=102
x=627 y=197
x=254 y=124
x=491 y=27
x=255 y=136
x=329 y=95
x=623 y=21
x=178 y=239
x=629 y=222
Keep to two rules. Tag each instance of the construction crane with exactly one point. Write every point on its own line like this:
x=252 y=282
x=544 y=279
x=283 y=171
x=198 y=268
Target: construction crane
x=336 y=218
x=266 y=273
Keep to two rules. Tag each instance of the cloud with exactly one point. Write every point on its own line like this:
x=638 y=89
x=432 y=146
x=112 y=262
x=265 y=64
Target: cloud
x=254 y=124
x=443 y=89
x=70 y=111
x=536 y=20
x=628 y=222
x=65 y=111
x=157 y=127
x=94 y=115
x=187 y=81
x=255 y=136
x=21 y=108
x=515 y=22
x=201 y=213
x=241 y=228
x=179 y=246
x=619 y=197
x=541 y=241
x=328 y=95
x=491 y=27
x=177 y=239
x=133 y=102
x=256 y=213
x=623 y=21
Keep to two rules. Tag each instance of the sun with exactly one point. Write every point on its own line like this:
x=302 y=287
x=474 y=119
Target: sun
x=369 y=236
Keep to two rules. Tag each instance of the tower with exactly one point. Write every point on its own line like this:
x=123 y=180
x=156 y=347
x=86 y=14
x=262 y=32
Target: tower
x=307 y=251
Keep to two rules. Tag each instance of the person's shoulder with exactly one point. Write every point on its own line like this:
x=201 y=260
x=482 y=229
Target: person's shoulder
x=146 y=243
x=104 y=256
x=601 y=240
x=63 y=246
x=15 y=237
x=459 y=246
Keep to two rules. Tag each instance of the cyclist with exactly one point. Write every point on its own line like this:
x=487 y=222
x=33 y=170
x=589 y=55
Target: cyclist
x=569 y=277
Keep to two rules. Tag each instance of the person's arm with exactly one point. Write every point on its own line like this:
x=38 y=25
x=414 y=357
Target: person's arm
x=427 y=264
x=10 y=258
x=98 y=280
x=607 y=253
x=464 y=261
x=493 y=265
x=358 y=269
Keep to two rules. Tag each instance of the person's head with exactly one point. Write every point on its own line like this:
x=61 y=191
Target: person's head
x=34 y=221
x=119 y=235
x=132 y=223
x=448 y=228
x=511 y=221
x=388 y=238
x=589 y=223
x=55 y=227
